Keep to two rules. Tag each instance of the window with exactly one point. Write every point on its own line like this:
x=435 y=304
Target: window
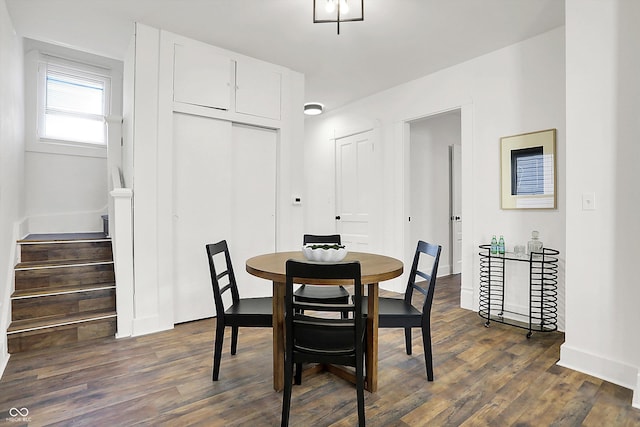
x=528 y=165
x=73 y=102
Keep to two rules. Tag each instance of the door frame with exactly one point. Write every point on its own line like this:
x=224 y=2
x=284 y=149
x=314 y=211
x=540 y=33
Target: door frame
x=455 y=166
x=468 y=297
x=430 y=202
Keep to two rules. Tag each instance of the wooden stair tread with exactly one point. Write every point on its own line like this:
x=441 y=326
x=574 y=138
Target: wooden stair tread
x=18 y=326
x=64 y=291
x=63 y=237
x=61 y=263
x=61 y=290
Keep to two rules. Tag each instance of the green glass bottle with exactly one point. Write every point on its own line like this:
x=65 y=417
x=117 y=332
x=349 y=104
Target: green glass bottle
x=501 y=245
x=494 y=245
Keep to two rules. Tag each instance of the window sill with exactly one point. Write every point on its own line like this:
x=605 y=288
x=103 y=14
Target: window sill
x=68 y=149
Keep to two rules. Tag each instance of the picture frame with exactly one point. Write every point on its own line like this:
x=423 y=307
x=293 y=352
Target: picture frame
x=528 y=170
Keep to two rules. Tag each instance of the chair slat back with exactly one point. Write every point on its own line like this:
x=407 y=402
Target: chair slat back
x=426 y=287
x=319 y=331
x=215 y=252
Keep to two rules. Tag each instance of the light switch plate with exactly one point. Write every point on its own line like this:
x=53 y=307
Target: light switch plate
x=588 y=201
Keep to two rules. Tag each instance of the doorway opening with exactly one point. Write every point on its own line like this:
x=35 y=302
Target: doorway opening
x=433 y=187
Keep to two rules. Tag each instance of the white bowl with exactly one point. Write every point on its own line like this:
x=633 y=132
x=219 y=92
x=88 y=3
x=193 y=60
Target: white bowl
x=321 y=254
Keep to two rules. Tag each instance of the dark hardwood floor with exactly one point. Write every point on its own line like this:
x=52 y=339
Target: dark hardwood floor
x=483 y=377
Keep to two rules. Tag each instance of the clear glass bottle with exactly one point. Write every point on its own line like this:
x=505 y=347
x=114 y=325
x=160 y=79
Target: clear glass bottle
x=501 y=245
x=494 y=245
x=534 y=244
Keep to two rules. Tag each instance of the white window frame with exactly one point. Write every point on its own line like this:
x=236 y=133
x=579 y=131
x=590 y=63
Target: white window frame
x=37 y=53
x=75 y=69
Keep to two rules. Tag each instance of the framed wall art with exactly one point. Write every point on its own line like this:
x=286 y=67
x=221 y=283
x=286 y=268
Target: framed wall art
x=528 y=170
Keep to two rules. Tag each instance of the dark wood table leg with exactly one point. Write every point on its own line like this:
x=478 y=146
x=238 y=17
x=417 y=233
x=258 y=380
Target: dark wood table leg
x=278 y=335
x=371 y=381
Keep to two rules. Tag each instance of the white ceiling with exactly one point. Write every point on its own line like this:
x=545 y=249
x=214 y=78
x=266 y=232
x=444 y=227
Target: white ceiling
x=398 y=40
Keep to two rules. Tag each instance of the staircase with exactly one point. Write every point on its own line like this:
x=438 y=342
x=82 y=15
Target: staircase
x=64 y=291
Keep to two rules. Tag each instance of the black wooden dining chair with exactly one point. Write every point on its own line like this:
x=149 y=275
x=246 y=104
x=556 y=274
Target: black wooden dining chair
x=326 y=294
x=249 y=312
x=322 y=338
x=400 y=313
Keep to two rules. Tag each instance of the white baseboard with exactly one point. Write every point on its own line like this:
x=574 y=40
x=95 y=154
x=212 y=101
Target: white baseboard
x=467 y=300
x=148 y=325
x=609 y=370
x=636 y=393
x=4 y=359
x=18 y=232
x=21 y=229
x=444 y=270
x=71 y=222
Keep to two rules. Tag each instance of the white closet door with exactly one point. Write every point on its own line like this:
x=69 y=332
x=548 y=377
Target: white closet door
x=202 y=191
x=253 y=203
x=224 y=188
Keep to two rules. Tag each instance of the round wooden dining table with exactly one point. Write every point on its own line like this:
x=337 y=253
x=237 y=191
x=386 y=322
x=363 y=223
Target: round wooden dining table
x=374 y=269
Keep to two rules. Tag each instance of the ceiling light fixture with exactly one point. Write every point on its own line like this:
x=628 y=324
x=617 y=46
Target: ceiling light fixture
x=338 y=11
x=313 y=108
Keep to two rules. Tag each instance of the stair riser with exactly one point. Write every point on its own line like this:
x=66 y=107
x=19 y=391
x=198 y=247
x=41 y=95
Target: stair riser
x=64 y=291
x=61 y=335
x=64 y=251
x=30 y=308
x=64 y=276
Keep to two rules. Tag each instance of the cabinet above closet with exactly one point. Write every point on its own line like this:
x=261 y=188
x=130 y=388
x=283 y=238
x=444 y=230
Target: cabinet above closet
x=258 y=90
x=202 y=77
x=205 y=77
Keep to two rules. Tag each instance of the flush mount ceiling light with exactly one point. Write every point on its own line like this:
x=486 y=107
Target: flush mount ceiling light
x=338 y=11
x=313 y=108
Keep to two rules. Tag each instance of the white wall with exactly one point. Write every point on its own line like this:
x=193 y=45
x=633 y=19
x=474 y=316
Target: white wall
x=66 y=186
x=429 y=183
x=65 y=193
x=514 y=90
x=603 y=130
x=11 y=164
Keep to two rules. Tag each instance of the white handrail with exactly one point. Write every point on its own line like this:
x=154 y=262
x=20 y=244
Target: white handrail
x=116 y=178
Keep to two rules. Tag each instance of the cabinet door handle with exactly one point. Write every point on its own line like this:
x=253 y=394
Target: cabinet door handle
x=337 y=217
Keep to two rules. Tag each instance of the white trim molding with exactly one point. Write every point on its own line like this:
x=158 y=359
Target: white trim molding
x=609 y=370
x=123 y=257
x=636 y=393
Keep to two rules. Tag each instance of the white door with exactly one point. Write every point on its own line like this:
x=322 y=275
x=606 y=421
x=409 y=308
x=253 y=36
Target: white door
x=456 y=208
x=253 y=203
x=355 y=189
x=224 y=188
x=202 y=173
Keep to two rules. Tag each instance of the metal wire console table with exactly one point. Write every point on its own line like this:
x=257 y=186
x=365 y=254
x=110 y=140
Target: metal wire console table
x=543 y=289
